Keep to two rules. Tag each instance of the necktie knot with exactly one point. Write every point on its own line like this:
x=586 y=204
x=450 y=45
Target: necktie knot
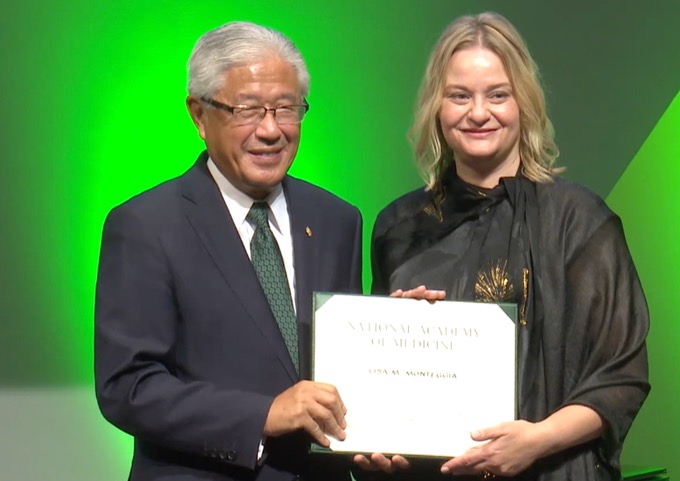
x=258 y=215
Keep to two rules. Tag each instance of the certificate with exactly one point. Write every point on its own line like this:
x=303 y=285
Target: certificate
x=416 y=377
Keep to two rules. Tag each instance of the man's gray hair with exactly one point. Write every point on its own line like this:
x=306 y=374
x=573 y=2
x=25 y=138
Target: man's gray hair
x=235 y=44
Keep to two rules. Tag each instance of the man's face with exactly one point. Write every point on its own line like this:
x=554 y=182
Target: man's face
x=253 y=157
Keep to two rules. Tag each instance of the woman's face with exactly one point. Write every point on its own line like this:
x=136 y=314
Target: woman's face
x=479 y=117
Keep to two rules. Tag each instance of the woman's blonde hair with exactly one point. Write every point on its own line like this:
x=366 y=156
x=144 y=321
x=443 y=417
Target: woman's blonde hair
x=489 y=30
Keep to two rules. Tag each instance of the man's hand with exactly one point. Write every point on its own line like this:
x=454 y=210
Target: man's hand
x=380 y=462
x=313 y=406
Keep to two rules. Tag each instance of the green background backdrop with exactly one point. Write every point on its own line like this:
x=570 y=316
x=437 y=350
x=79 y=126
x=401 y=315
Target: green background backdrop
x=93 y=100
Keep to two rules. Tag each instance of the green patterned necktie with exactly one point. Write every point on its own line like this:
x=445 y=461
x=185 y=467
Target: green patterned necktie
x=268 y=263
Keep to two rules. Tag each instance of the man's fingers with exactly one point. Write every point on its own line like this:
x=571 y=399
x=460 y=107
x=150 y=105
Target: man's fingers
x=400 y=462
x=323 y=411
x=332 y=401
x=326 y=408
x=327 y=423
x=380 y=462
x=363 y=463
x=317 y=433
x=310 y=406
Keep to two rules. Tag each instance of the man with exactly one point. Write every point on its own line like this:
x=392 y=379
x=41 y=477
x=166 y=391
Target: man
x=195 y=355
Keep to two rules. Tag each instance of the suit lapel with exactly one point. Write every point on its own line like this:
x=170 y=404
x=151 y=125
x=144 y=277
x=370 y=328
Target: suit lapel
x=303 y=219
x=210 y=219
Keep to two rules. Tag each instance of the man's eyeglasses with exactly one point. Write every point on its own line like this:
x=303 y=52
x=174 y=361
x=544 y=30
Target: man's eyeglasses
x=252 y=115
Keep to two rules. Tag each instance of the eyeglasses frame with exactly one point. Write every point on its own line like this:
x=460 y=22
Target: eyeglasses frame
x=231 y=108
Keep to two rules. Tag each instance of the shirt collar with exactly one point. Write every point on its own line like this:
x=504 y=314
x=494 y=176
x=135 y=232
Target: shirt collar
x=239 y=204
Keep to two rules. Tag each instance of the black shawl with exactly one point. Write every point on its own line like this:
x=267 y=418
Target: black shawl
x=583 y=314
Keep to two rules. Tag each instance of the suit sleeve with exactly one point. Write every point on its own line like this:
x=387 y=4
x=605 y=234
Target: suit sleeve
x=137 y=386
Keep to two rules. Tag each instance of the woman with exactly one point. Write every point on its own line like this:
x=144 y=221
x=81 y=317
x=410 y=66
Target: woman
x=494 y=224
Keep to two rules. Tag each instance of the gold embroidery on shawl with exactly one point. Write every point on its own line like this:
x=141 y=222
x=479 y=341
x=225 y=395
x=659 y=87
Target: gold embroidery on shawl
x=525 y=297
x=493 y=284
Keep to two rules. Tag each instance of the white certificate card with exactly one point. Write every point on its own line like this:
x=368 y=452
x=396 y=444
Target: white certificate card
x=416 y=377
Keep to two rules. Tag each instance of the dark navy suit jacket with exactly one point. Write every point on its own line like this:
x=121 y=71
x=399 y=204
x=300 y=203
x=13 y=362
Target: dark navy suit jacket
x=188 y=356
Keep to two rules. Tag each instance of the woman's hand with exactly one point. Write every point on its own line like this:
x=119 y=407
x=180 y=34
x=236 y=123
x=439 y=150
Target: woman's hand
x=420 y=292
x=510 y=449
x=514 y=446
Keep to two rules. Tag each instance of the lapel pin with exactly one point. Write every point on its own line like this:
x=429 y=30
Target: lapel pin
x=308 y=231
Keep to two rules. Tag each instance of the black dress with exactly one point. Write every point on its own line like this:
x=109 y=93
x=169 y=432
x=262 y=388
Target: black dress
x=557 y=251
